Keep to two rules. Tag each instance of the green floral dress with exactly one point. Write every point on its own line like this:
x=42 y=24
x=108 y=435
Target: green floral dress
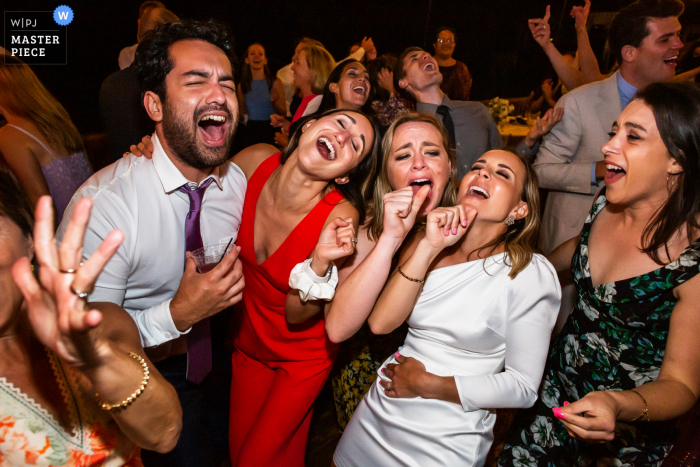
x=614 y=340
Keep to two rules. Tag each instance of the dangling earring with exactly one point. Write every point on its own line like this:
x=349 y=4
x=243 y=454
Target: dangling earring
x=510 y=221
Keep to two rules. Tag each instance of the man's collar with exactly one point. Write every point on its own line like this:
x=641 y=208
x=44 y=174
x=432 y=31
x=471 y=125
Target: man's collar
x=170 y=177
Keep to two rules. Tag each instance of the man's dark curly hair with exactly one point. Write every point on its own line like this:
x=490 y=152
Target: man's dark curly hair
x=630 y=25
x=153 y=61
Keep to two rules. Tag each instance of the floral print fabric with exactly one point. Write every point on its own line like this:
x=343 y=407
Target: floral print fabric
x=614 y=340
x=29 y=435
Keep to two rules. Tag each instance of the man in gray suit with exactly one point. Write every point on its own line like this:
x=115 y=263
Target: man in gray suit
x=644 y=36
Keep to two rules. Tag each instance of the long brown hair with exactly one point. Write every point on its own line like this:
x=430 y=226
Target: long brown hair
x=375 y=208
x=22 y=94
x=676 y=109
x=519 y=237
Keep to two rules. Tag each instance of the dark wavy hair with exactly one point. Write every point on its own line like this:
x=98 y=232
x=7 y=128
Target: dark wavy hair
x=329 y=101
x=676 y=108
x=400 y=73
x=629 y=27
x=153 y=61
x=247 y=73
x=14 y=204
x=361 y=178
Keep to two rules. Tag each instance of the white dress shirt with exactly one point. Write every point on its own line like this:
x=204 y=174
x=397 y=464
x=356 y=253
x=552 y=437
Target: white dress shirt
x=140 y=197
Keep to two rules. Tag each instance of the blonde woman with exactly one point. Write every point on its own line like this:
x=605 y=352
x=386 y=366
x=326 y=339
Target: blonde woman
x=477 y=301
x=40 y=145
x=312 y=66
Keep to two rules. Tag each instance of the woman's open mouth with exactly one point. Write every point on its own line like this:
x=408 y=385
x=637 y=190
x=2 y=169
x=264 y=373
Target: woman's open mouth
x=614 y=173
x=213 y=129
x=421 y=182
x=325 y=148
x=477 y=192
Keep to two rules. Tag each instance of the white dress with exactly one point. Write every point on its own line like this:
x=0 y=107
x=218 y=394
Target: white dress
x=471 y=322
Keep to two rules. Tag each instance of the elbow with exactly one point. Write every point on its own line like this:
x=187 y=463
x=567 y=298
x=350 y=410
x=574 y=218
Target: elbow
x=377 y=327
x=529 y=397
x=334 y=334
x=165 y=439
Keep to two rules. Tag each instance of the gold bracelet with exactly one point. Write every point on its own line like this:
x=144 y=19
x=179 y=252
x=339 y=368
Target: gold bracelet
x=137 y=393
x=420 y=281
x=645 y=412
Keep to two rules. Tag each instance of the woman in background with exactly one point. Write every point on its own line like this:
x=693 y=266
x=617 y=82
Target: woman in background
x=456 y=80
x=311 y=66
x=39 y=144
x=259 y=97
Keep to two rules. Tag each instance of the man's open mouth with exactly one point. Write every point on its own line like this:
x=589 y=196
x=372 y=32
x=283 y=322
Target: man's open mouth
x=213 y=129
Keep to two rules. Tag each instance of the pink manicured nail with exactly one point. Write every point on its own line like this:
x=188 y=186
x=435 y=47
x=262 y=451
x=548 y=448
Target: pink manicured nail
x=557 y=413
x=382 y=370
x=566 y=403
x=447 y=232
x=397 y=354
x=454 y=231
x=464 y=223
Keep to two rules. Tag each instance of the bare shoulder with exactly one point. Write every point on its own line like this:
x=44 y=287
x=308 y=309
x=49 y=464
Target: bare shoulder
x=250 y=158
x=343 y=210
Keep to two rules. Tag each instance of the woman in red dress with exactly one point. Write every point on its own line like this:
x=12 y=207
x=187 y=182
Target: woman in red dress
x=279 y=368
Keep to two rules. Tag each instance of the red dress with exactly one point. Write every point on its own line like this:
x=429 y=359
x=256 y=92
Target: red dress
x=278 y=368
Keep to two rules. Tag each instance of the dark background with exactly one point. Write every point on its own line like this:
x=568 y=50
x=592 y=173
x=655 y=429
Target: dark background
x=492 y=36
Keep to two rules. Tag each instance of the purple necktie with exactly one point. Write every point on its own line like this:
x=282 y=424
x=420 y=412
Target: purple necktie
x=199 y=337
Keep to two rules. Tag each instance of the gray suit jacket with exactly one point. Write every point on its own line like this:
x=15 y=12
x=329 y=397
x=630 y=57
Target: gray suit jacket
x=564 y=162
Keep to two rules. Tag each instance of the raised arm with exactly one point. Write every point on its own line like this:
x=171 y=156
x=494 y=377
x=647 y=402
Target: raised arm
x=355 y=298
x=590 y=71
x=445 y=226
x=674 y=392
x=335 y=244
x=98 y=345
x=541 y=32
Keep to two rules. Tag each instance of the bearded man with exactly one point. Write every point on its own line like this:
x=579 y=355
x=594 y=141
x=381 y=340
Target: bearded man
x=186 y=196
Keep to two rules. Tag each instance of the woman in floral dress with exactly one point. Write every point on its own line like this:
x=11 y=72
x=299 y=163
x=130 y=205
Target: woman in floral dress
x=57 y=352
x=628 y=359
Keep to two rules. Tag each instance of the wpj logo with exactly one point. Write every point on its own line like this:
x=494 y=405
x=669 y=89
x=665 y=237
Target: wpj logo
x=38 y=37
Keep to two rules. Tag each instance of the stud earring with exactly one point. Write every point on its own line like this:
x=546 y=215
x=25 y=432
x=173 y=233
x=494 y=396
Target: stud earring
x=510 y=221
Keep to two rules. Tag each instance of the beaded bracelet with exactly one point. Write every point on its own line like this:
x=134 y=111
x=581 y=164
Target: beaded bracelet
x=420 y=281
x=137 y=393
x=645 y=412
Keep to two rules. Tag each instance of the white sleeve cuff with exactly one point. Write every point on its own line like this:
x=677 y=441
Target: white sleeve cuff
x=156 y=325
x=310 y=286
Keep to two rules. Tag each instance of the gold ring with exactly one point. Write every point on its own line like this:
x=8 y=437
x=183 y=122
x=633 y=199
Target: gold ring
x=80 y=293
x=389 y=386
x=70 y=271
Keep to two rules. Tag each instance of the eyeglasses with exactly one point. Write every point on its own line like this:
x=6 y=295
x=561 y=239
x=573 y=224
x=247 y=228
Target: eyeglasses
x=449 y=41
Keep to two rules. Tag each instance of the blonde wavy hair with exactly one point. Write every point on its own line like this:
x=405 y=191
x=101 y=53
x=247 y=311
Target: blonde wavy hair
x=22 y=94
x=320 y=63
x=375 y=209
x=519 y=238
